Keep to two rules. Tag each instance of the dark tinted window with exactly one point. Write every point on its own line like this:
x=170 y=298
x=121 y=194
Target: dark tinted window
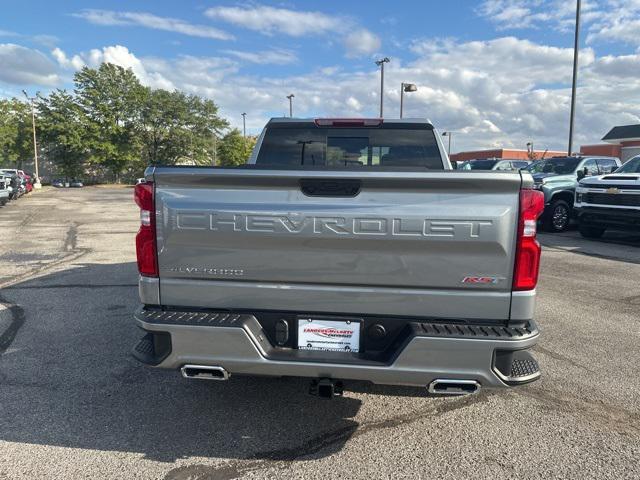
x=479 y=165
x=349 y=147
x=632 y=166
x=559 y=166
x=590 y=167
x=606 y=165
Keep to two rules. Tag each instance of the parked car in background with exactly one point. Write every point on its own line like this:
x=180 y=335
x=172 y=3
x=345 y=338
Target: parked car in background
x=28 y=184
x=499 y=164
x=76 y=183
x=58 y=183
x=557 y=178
x=610 y=202
x=4 y=191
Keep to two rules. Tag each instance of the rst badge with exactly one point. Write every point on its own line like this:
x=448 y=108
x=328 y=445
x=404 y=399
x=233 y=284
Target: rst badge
x=487 y=280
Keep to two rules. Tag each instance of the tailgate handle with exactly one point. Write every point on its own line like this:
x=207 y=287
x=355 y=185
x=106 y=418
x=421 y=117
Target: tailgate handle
x=330 y=188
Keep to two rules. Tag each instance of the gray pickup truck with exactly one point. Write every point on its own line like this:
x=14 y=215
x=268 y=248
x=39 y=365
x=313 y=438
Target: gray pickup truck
x=346 y=250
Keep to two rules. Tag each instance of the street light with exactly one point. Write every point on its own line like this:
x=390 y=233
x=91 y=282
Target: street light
x=406 y=87
x=450 y=135
x=381 y=63
x=36 y=184
x=244 y=131
x=290 y=97
x=575 y=77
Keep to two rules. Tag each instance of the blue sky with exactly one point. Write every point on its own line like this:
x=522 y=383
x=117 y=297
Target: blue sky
x=496 y=72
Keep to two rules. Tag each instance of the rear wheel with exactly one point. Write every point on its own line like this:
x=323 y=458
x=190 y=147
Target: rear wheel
x=591 y=232
x=559 y=216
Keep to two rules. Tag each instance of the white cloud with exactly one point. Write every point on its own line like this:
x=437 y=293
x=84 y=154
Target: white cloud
x=271 y=20
x=75 y=63
x=501 y=92
x=603 y=20
x=354 y=104
x=148 y=20
x=26 y=66
x=518 y=14
x=619 y=22
x=361 y=42
x=275 y=56
x=268 y=20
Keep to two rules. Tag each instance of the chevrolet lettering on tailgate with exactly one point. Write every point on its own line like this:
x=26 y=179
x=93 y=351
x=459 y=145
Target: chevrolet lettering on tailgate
x=343 y=225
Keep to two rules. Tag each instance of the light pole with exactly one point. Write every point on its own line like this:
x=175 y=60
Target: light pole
x=214 y=160
x=576 y=45
x=290 y=97
x=381 y=63
x=450 y=135
x=36 y=183
x=406 y=87
x=244 y=131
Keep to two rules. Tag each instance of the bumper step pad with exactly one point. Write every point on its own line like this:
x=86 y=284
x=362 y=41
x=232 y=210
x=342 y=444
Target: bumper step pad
x=153 y=348
x=516 y=368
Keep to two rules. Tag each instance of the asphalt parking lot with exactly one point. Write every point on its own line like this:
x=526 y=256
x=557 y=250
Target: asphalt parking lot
x=74 y=404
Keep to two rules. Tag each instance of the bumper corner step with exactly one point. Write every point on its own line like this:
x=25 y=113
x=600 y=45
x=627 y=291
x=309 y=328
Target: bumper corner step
x=516 y=367
x=153 y=348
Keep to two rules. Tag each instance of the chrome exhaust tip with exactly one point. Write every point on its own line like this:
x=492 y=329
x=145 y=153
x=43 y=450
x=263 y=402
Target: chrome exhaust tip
x=444 y=386
x=204 y=372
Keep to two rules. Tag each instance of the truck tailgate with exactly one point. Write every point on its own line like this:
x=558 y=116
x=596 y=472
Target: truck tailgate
x=438 y=244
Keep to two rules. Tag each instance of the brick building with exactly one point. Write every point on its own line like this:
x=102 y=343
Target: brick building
x=509 y=153
x=622 y=141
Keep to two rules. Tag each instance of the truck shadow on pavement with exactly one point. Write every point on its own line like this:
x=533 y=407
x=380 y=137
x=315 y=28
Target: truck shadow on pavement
x=67 y=379
x=615 y=246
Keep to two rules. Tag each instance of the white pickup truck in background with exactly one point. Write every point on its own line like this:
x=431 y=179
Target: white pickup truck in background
x=347 y=249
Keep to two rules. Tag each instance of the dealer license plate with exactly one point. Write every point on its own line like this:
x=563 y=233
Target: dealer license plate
x=329 y=335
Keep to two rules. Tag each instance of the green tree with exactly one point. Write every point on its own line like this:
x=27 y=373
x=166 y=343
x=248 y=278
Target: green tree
x=63 y=125
x=175 y=127
x=16 y=140
x=111 y=99
x=234 y=150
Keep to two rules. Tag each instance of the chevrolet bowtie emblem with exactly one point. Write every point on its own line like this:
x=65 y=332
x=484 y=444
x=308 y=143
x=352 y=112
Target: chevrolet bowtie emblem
x=613 y=190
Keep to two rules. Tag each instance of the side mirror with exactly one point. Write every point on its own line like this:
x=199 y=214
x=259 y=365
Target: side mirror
x=582 y=174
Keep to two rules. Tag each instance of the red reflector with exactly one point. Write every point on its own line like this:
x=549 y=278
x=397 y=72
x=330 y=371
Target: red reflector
x=146 y=251
x=348 y=122
x=143 y=195
x=527 y=265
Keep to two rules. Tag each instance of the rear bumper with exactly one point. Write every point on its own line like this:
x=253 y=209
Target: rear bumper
x=494 y=356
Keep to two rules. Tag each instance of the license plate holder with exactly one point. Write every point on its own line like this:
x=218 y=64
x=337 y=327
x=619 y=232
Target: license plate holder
x=329 y=335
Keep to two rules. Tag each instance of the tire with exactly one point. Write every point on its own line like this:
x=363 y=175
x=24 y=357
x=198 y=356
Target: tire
x=559 y=216
x=591 y=232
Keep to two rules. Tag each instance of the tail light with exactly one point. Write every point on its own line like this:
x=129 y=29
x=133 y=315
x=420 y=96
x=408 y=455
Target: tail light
x=146 y=238
x=525 y=275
